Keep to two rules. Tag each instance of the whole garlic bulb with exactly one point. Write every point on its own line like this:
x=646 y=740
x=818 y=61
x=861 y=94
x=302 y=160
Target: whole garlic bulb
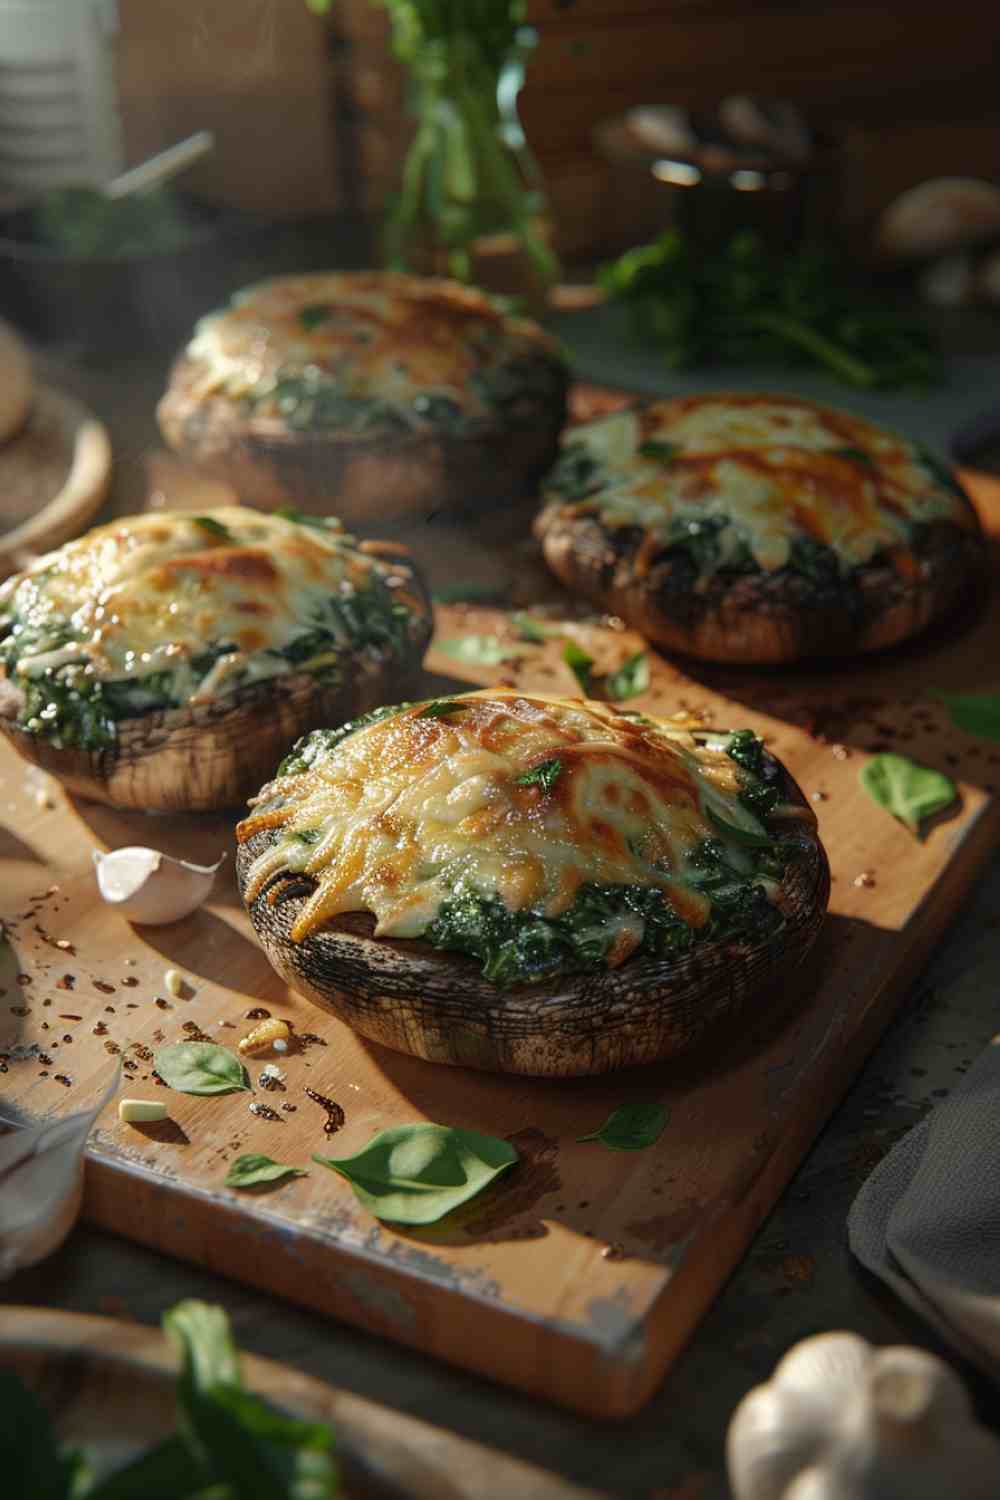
x=839 y=1420
x=149 y=887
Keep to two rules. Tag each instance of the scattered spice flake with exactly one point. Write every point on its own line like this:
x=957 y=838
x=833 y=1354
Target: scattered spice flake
x=100 y=1029
x=67 y=1036
x=104 y=987
x=289 y=1108
x=819 y=796
x=109 y=1010
x=163 y=1004
x=67 y=1015
x=64 y=1079
x=142 y=1052
x=334 y=1114
x=265 y=1112
x=130 y=979
x=866 y=878
x=257 y=1014
x=194 y=1032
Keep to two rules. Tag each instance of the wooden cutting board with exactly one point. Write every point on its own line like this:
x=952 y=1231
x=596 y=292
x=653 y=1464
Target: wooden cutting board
x=581 y=1273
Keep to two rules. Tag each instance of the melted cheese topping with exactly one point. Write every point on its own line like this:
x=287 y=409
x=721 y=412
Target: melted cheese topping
x=150 y=593
x=398 y=815
x=776 y=467
x=378 y=334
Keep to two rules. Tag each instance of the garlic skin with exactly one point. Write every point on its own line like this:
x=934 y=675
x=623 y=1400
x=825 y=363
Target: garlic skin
x=149 y=887
x=839 y=1420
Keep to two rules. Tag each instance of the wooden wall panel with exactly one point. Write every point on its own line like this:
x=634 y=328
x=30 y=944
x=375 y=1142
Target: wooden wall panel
x=253 y=71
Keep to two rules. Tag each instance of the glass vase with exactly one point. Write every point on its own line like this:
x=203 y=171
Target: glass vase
x=471 y=203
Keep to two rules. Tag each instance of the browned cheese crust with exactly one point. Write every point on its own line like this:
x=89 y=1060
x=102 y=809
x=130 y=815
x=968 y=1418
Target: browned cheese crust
x=496 y=387
x=778 y=614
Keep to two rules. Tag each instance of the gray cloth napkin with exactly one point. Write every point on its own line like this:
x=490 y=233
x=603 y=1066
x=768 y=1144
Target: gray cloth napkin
x=927 y=1220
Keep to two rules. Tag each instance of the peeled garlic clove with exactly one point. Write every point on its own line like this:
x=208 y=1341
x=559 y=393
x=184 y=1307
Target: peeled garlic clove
x=148 y=886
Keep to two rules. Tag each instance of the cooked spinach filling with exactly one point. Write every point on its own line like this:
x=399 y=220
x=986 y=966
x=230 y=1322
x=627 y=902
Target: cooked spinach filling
x=313 y=400
x=70 y=706
x=524 y=947
x=694 y=544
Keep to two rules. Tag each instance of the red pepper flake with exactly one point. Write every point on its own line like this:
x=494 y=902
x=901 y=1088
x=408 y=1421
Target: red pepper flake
x=67 y=982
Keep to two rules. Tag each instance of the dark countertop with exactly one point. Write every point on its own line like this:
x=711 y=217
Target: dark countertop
x=798 y=1277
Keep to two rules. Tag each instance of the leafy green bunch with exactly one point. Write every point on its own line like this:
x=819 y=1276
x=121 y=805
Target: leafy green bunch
x=498 y=26
x=743 y=304
x=229 y=1443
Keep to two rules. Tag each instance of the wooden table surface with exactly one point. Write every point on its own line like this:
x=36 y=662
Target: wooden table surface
x=798 y=1277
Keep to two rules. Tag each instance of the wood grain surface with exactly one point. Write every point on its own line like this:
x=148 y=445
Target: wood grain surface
x=580 y=1274
x=109 y=1387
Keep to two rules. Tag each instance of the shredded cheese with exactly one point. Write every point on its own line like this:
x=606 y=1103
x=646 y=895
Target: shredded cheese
x=398 y=815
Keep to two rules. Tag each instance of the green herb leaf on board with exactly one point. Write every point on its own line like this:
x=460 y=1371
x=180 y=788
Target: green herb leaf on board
x=632 y=1127
x=415 y=1174
x=907 y=790
x=200 y=1068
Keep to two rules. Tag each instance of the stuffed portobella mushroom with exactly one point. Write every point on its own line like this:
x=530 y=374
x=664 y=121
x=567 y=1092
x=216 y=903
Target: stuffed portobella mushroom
x=759 y=528
x=531 y=885
x=165 y=661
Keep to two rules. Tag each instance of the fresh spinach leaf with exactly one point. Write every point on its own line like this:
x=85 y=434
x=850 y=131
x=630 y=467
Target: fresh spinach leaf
x=632 y=1127
x=628 y=680
x=213 y=527
x=477 y=650
x=528 y=628
x=976 y=713
x=909 y=791
x=415 y=1174
x=241 y=1440
x=314 y=314
x=170 y=1471
x=200 y=1068
x=660 y=450
x=580 y=664
x=440 y=708
x=250 y=1169
x=545 y=775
